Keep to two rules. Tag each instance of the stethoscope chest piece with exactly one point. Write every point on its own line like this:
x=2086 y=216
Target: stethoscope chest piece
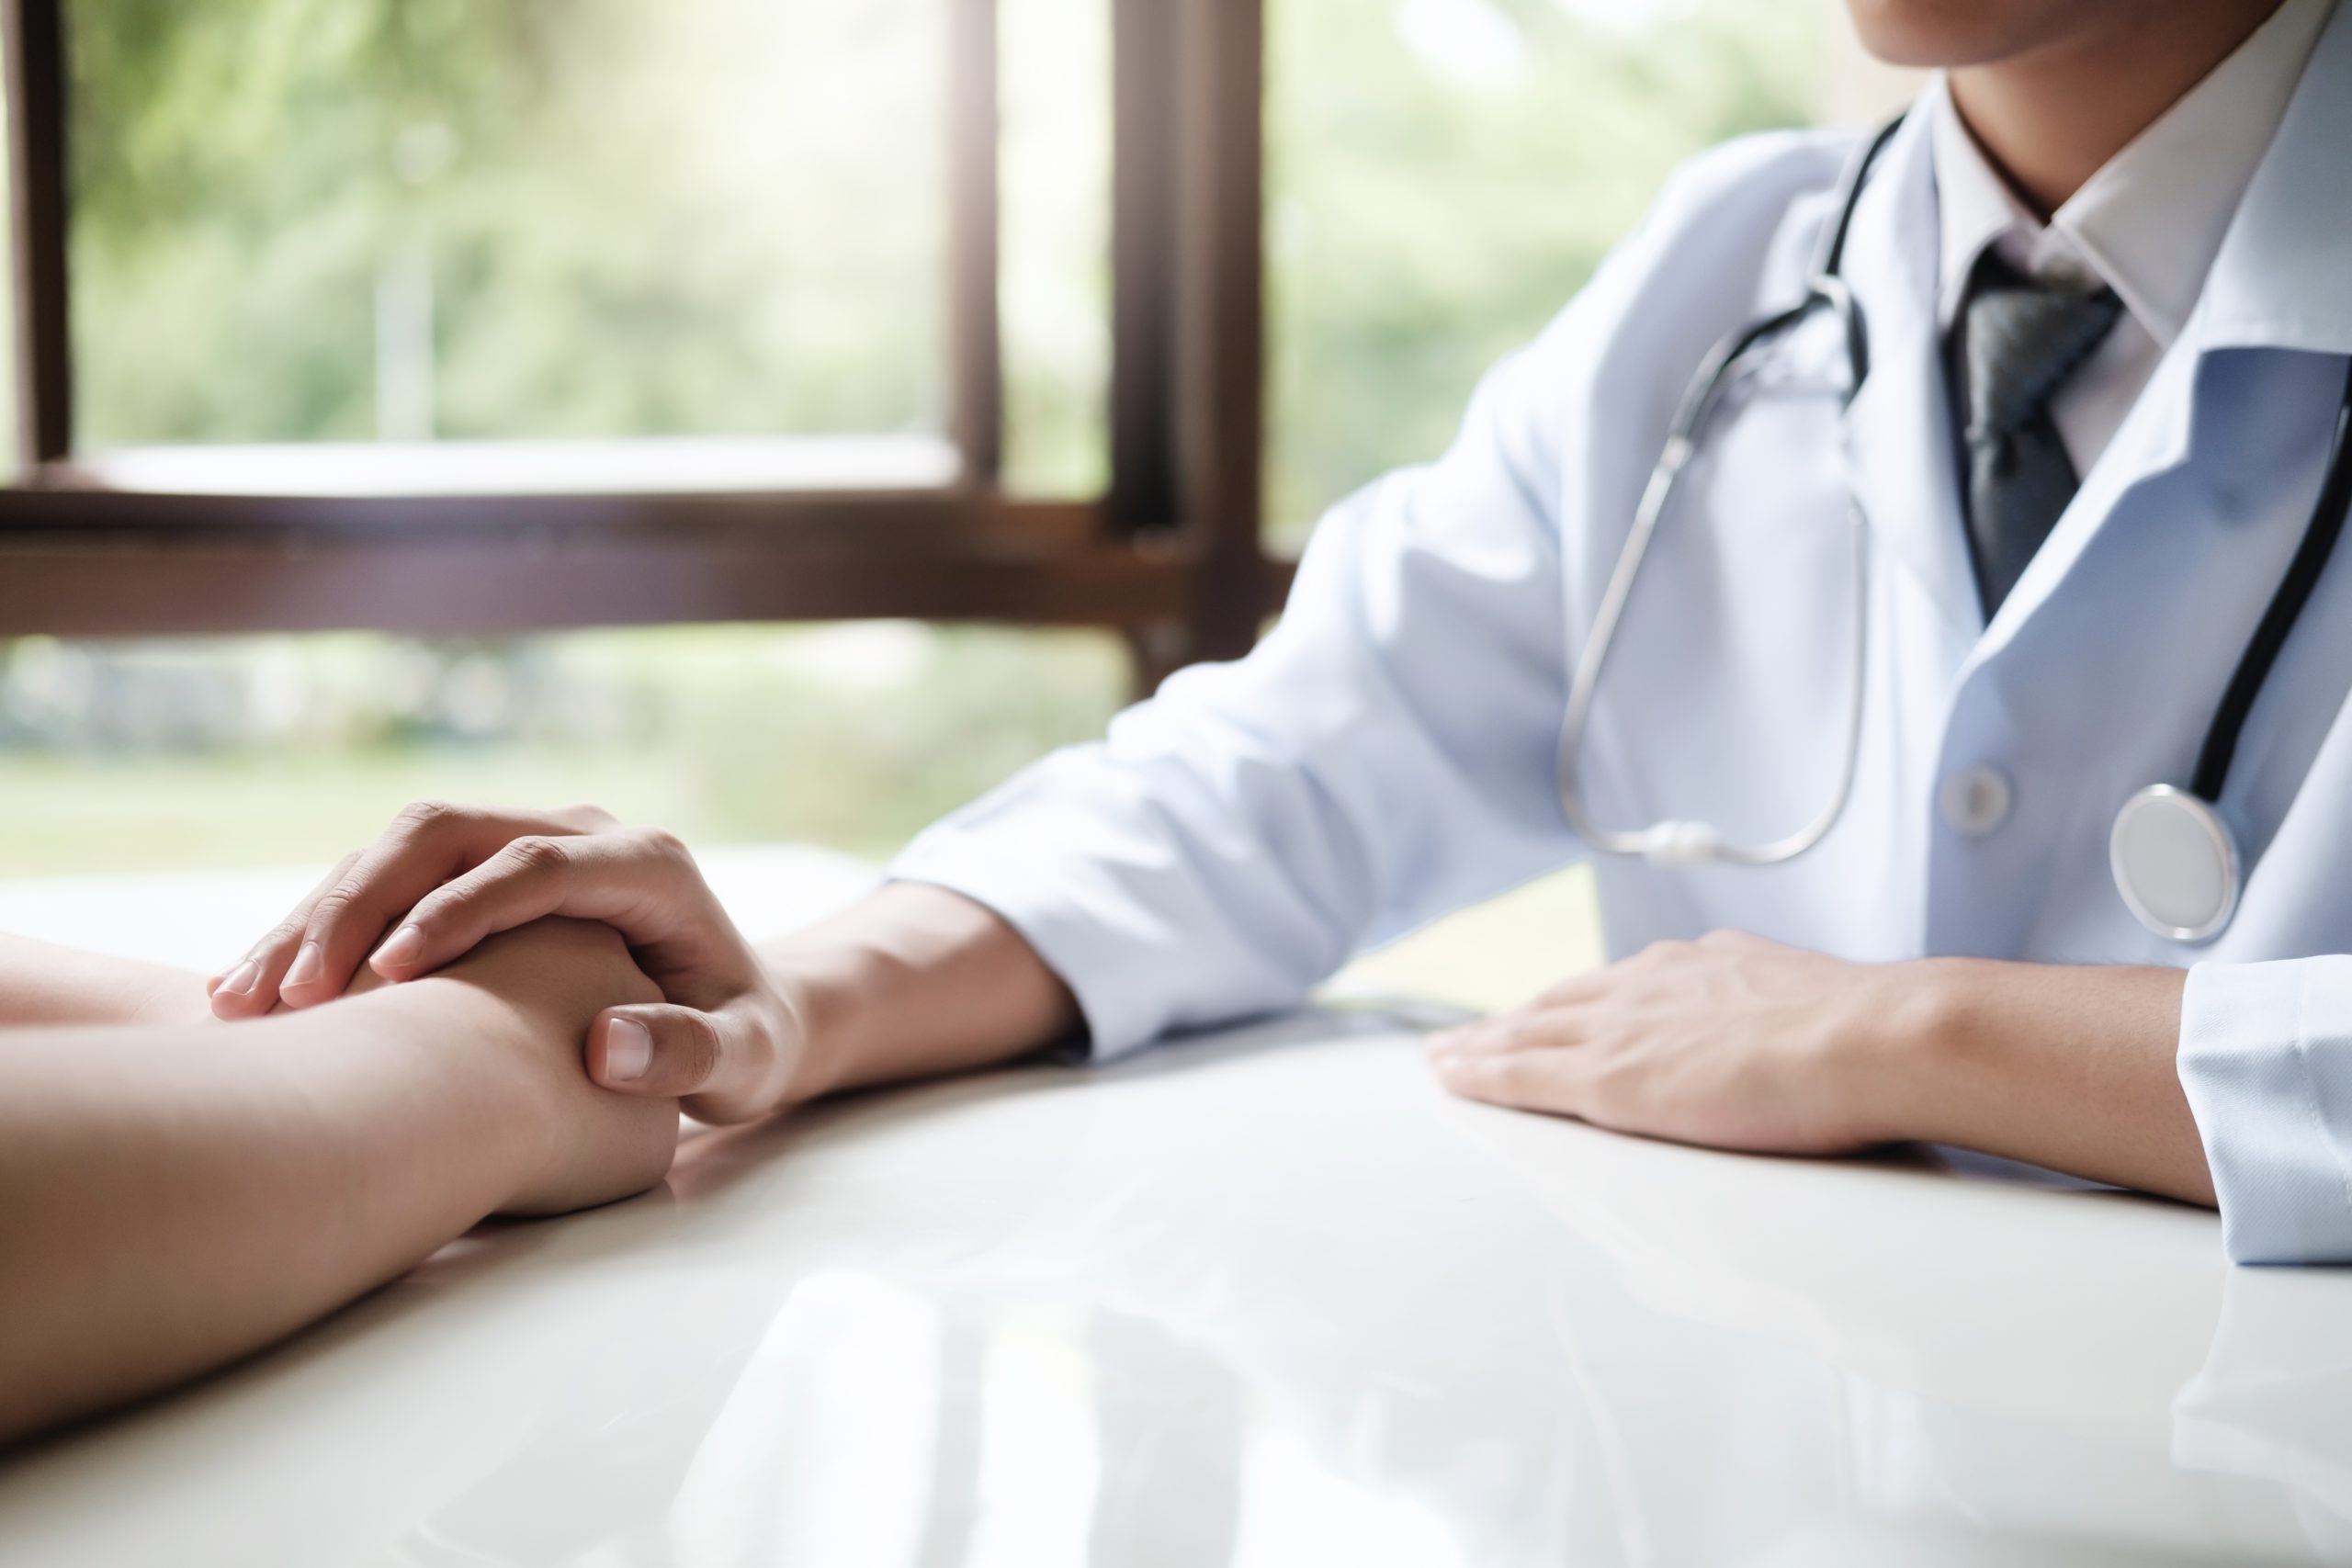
x=2175 y=864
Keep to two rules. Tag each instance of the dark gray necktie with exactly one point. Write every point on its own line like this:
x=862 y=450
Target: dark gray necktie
x=2021 y=339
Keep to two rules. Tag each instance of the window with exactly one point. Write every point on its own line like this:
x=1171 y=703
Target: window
x=457 y=330
x=458 y=318
x=520 y=224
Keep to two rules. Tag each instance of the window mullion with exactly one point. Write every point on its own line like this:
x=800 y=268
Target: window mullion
x=34 y=39
x=978 y=369
x=1143 y=266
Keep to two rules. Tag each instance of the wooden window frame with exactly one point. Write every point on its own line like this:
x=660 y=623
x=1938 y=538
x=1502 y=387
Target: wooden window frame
x=1172 y=555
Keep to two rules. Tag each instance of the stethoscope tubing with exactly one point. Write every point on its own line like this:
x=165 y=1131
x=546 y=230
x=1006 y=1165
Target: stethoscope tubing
x=2285 y=609
x=1683 y=842
x=1687 y=842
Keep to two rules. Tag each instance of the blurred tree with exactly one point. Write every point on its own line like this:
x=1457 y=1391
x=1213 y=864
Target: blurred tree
x=1443 y=174
x=570 y=217
x=599 y=218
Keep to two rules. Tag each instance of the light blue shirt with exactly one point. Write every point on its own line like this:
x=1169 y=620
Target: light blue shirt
x=1388 y=754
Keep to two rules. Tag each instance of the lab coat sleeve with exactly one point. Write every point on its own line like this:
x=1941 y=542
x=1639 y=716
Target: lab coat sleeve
x=1388 y=753
x=2266 y=1058
x=1384 y=755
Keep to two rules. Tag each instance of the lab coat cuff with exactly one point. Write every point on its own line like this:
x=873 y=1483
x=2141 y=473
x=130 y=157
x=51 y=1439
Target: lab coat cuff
x=1114 y=1007
x=2265 y=1059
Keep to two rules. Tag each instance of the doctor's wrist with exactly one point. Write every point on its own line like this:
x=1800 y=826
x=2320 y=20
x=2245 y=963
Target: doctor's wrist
x=802 y=1023
x=914 y=982
x=1917 y=1046
x=2071 y=1067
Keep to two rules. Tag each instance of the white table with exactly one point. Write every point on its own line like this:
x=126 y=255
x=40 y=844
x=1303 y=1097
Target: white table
x=1266 y=1298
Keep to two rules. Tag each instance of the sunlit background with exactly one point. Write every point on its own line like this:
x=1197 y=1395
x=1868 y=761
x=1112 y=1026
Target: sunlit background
x=303 y=221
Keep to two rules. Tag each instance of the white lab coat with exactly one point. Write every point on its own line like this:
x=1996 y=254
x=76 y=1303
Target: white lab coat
x=1388 y=753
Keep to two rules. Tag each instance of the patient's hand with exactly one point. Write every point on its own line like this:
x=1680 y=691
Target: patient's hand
x=533 y=992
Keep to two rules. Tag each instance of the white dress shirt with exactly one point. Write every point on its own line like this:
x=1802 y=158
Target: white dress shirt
x=2147 y=224
x=1390 y=751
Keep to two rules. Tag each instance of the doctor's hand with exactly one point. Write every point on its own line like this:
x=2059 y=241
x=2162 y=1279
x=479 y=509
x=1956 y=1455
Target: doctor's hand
x=1739 y=1042
x=1731 y=1041
x=725 y=1041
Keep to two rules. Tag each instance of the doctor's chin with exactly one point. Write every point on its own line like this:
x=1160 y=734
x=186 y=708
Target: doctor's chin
x=1166 y=783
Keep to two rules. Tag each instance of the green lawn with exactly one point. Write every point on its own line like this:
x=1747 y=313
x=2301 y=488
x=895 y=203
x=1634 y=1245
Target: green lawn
x=80 y=816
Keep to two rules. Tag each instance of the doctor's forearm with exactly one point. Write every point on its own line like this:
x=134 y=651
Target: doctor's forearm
x=914 y=982
x=2071 y=1068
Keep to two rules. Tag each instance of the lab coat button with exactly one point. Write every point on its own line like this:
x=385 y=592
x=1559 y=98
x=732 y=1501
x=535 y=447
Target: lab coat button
x=1976 y=800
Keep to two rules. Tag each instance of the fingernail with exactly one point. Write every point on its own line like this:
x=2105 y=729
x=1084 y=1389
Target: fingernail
x=628 y=1050
x=400 y=948
x=308 y=965
x=242 y=978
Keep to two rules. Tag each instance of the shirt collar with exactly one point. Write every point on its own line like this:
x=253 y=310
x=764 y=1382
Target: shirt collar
x=1975 y=208
x=2150 y=221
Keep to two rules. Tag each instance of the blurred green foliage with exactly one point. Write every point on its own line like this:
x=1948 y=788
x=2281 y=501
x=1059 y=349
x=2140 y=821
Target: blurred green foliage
x=1443 y=174
x=700 y=217
x=314 y=219
x=853 y=735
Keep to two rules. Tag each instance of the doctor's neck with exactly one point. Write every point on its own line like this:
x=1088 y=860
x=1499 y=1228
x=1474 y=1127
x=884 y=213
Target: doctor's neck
x=2054 y=88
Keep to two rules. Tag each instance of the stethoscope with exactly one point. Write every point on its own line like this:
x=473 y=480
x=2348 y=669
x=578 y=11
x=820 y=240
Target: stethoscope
x=2174 y=858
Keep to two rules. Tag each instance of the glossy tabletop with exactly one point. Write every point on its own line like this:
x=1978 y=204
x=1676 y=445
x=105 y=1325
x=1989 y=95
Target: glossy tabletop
x=1265 y=1297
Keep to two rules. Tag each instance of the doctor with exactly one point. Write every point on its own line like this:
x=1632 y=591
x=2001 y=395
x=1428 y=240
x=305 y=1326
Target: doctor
x=2024 y=510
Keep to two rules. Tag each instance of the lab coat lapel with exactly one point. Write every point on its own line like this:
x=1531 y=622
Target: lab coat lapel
x=1899 y=453
x=2277 y=283
x=2281 y=279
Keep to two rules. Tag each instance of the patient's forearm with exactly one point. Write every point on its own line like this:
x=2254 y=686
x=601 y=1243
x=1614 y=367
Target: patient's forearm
x=43 y=984
x=168 y=1203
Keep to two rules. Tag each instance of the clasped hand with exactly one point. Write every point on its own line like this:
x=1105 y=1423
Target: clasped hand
x=724 y=1042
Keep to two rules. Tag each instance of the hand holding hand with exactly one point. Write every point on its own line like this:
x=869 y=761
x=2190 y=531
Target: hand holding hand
x=724 y=1040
